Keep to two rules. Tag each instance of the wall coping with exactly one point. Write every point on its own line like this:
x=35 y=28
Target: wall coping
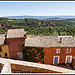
x=7 y=68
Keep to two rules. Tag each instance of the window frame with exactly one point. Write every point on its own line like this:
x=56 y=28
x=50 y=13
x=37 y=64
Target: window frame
x=68 y=49
x=70 y=59
x=54 y=59
x=57 y=50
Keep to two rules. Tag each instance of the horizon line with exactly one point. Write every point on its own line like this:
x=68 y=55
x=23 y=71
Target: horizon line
x=36 y=15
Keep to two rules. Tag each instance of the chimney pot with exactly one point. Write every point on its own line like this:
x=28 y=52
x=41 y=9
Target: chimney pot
x=60 y=40
x=25 y=35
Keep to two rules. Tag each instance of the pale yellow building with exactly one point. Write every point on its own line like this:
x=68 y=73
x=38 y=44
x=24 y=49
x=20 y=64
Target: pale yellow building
x=4 y=50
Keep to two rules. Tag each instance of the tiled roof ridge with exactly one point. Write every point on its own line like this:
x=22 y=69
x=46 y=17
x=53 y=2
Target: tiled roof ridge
x=15 y=33
x=49 y=41
x=2 y=39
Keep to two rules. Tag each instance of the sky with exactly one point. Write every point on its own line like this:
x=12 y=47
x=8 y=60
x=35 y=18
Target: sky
x=37 y=8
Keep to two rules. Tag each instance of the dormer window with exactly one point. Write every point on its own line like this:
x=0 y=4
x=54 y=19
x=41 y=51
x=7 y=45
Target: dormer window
x=58 y=51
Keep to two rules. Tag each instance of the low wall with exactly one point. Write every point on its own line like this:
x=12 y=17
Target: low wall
x=31 y=64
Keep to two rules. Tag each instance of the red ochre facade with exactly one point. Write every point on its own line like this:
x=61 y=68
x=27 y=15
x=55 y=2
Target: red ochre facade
x=15 y=47
x=49 y=54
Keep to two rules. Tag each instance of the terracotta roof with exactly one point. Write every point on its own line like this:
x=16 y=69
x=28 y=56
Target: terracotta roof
x=49 y=41
x=2 y=39
x=15 y=33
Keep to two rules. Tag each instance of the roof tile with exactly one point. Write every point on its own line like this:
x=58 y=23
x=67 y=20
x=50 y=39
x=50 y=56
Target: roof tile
x=49 y=41
x=15 y=33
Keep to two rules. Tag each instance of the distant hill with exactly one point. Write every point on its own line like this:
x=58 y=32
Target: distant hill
x=56 y=18
x=41 y=17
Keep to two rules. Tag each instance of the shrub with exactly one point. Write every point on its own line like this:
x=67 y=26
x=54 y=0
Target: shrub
x=62 y=64
x=71 y=65
x=24 y=52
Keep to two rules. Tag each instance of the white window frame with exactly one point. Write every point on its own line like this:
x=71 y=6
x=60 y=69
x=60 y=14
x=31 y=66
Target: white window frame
x=68 y=52
x=54 y=58
x=57 y=51
x=70 y=59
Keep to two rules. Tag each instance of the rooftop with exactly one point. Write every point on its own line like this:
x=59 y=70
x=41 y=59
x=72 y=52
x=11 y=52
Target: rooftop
x=49 y=41
x=15 y=33
x=2 y=39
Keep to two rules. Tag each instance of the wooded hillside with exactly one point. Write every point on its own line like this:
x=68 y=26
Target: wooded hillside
x=39 y=27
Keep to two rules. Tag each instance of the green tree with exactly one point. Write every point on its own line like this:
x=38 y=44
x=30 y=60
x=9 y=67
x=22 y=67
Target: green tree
x=24 y=52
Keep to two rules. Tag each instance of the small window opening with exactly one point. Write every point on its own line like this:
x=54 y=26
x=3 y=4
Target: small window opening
x=5 y=54
x=58 y=51
x=0 y=49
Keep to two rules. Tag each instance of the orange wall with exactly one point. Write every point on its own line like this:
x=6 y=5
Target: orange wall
x=51 y=52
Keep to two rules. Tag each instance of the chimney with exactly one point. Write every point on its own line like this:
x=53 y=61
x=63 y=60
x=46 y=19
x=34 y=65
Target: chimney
x=25 y=35
x=60 y=39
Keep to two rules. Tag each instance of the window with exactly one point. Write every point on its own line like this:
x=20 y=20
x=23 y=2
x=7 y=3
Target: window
x=5 y=54
x=56 y=60
x=0 y=49
x=68 y=59
x=45 y=56
x=20 y=55
x=68 y=50
x=58 y=51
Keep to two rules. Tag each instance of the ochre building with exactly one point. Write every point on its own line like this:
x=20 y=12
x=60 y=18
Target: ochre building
x=56 y=49
x=4 y=50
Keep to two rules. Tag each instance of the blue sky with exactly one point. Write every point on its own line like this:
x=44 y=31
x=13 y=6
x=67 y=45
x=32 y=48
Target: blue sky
x=37 y=8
